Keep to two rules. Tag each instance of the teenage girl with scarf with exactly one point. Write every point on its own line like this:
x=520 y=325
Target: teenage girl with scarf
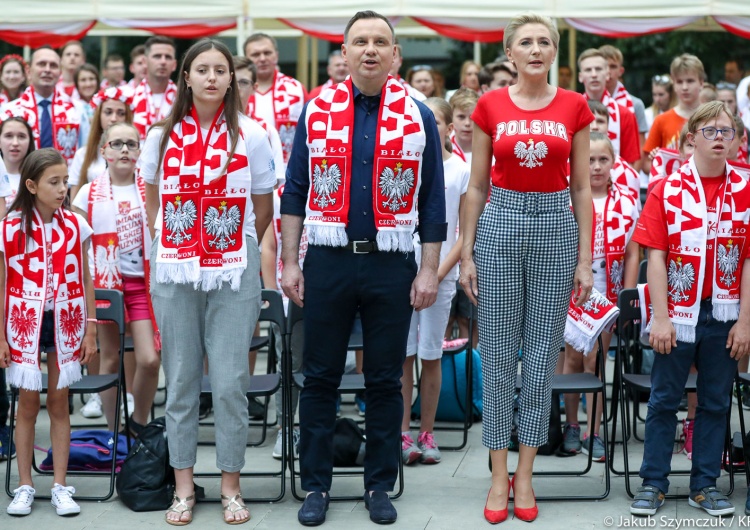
x=209 y=176
x=615 y=260
x=114 y=206
x=52 y=310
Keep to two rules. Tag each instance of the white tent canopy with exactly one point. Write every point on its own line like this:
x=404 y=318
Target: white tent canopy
x=53 y=21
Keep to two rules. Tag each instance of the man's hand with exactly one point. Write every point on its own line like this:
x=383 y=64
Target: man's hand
x=662 y=336
x=424 y=289
x=293 y=283
x=738 y=340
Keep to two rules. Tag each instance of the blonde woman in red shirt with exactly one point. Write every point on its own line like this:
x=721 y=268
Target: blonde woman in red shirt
x=525 y=244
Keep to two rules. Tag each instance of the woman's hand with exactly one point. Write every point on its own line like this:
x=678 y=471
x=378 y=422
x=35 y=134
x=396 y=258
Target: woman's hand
x=88 y=347
x=468 y=279
x=583 y=282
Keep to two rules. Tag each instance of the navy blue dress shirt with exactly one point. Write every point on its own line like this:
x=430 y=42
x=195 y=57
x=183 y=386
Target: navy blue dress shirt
x=432 y=226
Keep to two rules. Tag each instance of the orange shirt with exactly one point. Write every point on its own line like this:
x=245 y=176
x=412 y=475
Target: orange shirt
x=665 y=132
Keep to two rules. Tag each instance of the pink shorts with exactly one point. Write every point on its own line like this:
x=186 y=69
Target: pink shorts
x=136 y=299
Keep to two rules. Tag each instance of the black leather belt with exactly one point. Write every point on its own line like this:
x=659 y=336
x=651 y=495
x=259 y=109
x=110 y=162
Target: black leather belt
x=362 y=247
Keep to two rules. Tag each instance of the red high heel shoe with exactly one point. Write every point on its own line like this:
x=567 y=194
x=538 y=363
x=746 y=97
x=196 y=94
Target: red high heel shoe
x=496 y=516
x=524 y=514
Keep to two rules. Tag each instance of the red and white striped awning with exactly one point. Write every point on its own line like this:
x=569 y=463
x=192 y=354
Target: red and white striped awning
x=52 y=33
x=178 y=29
x=628 y=27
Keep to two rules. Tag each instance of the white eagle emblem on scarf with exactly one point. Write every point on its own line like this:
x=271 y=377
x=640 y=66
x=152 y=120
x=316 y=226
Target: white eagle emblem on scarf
x=680 y=278
x=396 y=186
x=729 y=258
x=286 y=135
x=532 y=155
x=616 y=274
x=67 y=139
x=107 y=261
x=326 y=181
x=179 y=218
x=595 y=303
x=222 y=224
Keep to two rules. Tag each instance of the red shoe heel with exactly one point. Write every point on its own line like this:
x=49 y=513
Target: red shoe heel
x=496 y=516
x=524 y=514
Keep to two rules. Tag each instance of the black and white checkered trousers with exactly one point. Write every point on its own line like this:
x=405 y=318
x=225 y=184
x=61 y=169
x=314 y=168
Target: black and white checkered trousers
x=526 y=252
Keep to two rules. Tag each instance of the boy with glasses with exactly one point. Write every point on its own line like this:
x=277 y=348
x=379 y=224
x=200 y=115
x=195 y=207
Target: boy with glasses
x=695 y=226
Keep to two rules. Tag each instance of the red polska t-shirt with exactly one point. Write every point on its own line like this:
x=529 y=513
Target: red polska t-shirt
x=651 y=229
x=531 y=147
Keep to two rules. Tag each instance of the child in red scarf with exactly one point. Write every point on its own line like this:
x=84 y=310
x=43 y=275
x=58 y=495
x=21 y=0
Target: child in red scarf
x=48 y=293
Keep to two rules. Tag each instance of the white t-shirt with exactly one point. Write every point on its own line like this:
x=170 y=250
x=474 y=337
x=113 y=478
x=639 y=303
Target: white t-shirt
x=598 y=255
x=96 y=168
x=6 y=186
x=456 y=174
x=86 y=232
x=12 y=180
x=278 y=152
x=264 y=107
x=129 y=222
x=260 y=159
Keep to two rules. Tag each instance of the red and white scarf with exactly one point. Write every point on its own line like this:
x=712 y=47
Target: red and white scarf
x=288 y=97
x=741 y=168
x=145 y=113
x=623 y=97
x=624 y=176
x=204 y=207
x=457 y=148
x=66 y=121
x=4 y=98
x=647 y=310
x=666 y=162
x=397 y=167
x=25 y=296
x=613 y=127
x=689 y=222
x=105 y=241
x=620 y=214
x=584 y=324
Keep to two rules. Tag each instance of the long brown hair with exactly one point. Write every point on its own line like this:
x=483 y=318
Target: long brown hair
x=32 y=168
x=184 y=100
x=92 y=144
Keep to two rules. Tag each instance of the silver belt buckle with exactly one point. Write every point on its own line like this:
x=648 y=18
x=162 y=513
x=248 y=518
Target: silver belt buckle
x=354 y=247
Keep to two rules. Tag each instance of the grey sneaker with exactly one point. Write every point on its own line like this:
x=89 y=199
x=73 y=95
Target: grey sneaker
x=410 y=453
x=430 y=452
x=647 y=500
x=712 y=501
x=598 y=451
x=572 y=438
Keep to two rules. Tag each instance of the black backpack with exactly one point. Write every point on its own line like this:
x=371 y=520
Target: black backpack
x=348 y=444
x=146 y=480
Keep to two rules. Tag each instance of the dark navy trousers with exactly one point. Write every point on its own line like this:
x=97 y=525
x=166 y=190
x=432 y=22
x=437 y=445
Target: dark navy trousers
x=338 y=283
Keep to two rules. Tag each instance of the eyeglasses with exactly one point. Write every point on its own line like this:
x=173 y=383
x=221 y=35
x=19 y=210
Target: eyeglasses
x=711 y=133
x=117 y=145
x=662 y=79
x=723 y=85
x=418 y=67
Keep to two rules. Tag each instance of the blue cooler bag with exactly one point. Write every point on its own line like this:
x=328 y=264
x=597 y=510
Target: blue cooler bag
x=451 y=404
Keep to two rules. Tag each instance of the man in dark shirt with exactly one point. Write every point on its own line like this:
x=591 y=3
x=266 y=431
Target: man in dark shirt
x=346 y=274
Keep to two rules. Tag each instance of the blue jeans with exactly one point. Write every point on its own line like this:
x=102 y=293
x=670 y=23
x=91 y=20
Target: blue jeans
x=716 y=371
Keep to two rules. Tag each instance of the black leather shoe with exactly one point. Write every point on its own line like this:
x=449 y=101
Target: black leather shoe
x=313 y=511
x=380 y=507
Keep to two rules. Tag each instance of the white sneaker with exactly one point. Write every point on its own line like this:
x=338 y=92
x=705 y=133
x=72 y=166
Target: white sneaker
x=62 y=500
x=22 y=501
x=93 y=407
x=131 y=406
x=277 y=448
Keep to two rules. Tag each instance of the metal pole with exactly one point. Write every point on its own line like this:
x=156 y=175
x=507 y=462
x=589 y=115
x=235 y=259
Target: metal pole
x=313 y=62
x=477 y=52
x=302 y=60
x=573 y=55
x=240 y=34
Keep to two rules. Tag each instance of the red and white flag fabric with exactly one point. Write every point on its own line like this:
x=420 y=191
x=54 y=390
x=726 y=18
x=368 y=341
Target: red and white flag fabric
x=584 y=324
